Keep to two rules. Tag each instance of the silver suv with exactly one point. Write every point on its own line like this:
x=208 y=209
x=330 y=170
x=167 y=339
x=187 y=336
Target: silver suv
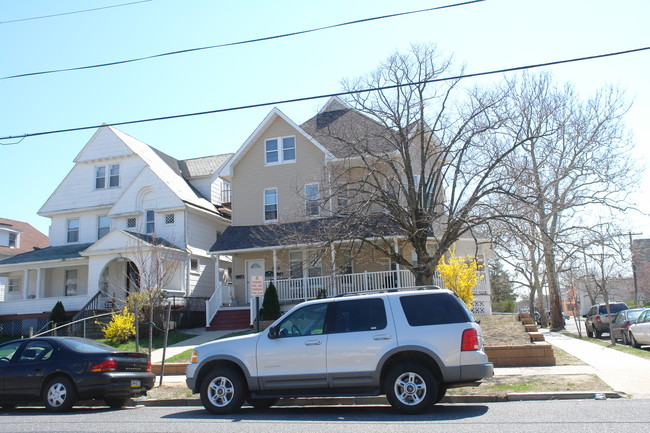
x=411 y=346
x=597 y=320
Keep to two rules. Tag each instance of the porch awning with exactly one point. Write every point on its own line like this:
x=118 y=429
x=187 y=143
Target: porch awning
x=46 y=254
x=269 y=236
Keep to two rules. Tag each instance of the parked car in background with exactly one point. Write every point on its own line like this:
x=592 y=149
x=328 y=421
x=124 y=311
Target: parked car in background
x=58 y=371
x=411 y=346
x=640 y=331
x=597 y=320
x=622 y=322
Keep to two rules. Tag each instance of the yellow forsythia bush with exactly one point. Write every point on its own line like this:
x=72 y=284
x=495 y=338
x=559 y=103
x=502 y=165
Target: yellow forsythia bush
x=460 y=275
x=120 y=328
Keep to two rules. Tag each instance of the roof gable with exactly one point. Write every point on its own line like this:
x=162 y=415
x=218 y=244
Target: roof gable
x=227 y=170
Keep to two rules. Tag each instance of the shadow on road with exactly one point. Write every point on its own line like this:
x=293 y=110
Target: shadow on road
x=439 y=412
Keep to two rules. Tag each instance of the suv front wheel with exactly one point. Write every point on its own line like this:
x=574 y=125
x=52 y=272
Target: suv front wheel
x=411 y=388
x=223 y=391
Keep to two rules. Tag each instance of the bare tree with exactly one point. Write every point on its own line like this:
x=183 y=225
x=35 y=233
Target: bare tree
x=418 y=159
x=575 y=160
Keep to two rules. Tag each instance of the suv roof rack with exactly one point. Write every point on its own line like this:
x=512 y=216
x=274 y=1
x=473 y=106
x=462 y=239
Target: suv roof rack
x=402 y=289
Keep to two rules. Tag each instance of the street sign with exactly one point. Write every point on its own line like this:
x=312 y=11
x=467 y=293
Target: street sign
x=257 y=286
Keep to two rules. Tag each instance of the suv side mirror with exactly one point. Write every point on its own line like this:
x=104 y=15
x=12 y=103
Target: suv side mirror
x=273 y=332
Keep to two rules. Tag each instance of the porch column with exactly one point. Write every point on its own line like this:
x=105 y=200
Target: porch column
x=39 y=278
x=397 y=269
x=333 y=256
x=25 y=283
x=275 y=268
x=218 y=278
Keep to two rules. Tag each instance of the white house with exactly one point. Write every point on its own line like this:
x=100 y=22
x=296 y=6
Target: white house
x=122 y=202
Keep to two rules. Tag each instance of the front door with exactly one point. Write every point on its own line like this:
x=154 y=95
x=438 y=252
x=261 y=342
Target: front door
x=253 y=268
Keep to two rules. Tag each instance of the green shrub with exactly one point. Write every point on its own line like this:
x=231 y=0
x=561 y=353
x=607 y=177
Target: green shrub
x=121 y=327
x=271 y=304
x=58 y=314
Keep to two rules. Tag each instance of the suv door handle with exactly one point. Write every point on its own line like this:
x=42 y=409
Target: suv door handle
x=312 y=343
x=382 y=337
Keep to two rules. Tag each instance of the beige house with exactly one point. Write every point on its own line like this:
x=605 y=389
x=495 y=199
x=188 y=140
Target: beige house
x=282 y=202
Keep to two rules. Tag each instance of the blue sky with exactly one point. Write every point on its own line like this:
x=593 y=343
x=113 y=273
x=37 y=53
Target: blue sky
x=490 y=35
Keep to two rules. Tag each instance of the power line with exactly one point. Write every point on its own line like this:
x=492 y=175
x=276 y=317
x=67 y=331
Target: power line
x=73 y=12
x=329 y=95
x=230 y=44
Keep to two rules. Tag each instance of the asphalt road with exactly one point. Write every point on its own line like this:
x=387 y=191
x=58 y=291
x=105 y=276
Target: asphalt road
x=540 y=416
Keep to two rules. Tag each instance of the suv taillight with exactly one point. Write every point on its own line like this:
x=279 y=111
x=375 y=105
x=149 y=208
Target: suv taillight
x=470 y=340
x=104 y=366
x=597 y=319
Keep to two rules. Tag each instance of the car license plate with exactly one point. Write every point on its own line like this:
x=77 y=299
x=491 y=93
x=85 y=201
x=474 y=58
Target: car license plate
x=135 y=383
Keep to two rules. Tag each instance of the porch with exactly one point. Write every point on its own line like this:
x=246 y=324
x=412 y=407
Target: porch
x=295 y=290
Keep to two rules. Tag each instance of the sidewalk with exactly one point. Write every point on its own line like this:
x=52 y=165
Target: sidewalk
x=624 y=373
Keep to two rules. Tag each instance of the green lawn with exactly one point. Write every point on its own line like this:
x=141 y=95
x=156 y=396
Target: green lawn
x=158 y=340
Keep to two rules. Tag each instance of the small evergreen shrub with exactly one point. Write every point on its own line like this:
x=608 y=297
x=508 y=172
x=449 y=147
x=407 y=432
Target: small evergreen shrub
x=58 y=314
x=271 y=304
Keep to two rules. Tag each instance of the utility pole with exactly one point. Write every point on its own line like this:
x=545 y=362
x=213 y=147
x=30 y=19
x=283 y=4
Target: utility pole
x=636 y=287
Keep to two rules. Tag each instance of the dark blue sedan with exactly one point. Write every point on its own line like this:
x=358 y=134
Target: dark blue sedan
x=59 y=371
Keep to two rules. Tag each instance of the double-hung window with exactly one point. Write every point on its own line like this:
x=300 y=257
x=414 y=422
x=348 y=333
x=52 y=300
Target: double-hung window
x=71 y=282
x=14 y=284
x=151 y=221
x=13 y=240
x=103 y=226
x=311 y=199
x=107 y=176
x=280 y=150
x=73 y=230
x=271 y=204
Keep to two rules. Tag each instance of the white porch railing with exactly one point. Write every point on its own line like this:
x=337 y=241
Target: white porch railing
x=213 y=304
x=300 y=289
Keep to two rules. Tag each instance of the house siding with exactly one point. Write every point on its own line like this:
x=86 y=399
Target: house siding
x=252 y=176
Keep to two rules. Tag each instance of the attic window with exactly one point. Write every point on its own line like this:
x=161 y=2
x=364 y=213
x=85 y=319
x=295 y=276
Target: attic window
x=107 y=176
x=280 y=150
x=169 y=218
x=13 y=240
x=130 y=223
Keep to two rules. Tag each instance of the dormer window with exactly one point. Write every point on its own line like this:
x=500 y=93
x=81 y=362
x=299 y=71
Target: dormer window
x=107 y=176
x=280 y=150
x=13 y=240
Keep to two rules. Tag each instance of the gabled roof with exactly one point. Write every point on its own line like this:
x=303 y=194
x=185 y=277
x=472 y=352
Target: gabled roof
x=30 y=238
x=202 y=167
x=345 y=132
x=48 y=254
x=275 y=113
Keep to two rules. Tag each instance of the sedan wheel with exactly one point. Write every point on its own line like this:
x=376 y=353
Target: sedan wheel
x=624 y=338
x=411 y=388
x=223 y=391
x=60 y=395
x=633 y=342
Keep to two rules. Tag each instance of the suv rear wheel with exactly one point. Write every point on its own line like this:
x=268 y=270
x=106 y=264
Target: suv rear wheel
x=411 y=388
x=223 y=391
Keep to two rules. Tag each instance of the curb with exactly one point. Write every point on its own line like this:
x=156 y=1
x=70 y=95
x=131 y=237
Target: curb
x=381 y=401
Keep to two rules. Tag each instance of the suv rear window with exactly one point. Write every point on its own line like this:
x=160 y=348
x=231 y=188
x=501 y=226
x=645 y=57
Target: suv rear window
x=430 y=309
x=613 y=308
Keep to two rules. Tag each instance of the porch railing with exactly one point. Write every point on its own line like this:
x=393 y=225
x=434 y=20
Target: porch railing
x=299 y=289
